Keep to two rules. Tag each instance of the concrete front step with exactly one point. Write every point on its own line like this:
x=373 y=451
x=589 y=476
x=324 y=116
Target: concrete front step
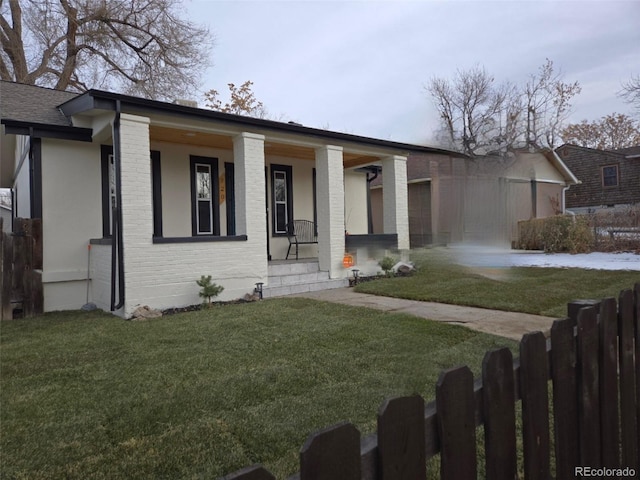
x=289 y=289
x=280 y=268
x=313 y=277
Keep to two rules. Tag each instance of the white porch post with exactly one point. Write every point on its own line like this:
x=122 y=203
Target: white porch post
x=137 y=207
x=330 y=202
x=395 y=199
x=248 y=158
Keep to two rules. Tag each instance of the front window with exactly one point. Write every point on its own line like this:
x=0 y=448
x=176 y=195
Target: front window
x=610 y=176
x=204 y=187
x=282 y=198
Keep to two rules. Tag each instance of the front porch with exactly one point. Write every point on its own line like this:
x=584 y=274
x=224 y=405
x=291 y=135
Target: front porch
x=287 y=277
x=220 y=197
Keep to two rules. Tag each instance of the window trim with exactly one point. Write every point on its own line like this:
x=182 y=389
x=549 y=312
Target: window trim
x=156 y=192
x=288 y=171
x=230 y=201
x=602 y=176
x=105 y=152
x=212 y=163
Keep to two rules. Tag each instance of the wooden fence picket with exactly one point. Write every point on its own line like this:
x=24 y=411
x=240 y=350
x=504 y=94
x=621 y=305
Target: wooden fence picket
x=331 y=454
x=401 y=445
x=565 y=415
x=588 y=346
x=534 y=368
x=456 y=424
x=498 y=392
x=21 y=261
x=609 y=421
x=255 y=472
x=628 y=402
x=6 y=282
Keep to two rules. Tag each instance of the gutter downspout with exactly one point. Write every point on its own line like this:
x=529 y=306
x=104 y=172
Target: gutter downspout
x=117 y=241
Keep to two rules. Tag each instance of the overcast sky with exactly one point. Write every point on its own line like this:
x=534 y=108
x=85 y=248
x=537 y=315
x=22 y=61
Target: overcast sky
x=360 y=67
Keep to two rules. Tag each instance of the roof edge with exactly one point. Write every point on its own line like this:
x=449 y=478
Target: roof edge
x=98 y=99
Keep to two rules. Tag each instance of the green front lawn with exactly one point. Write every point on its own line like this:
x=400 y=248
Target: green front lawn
x=201 y=394
x=542 y=291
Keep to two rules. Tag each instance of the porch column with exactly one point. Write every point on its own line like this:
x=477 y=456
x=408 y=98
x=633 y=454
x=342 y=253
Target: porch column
x=330 y=202
x=249 y=183
x=137 y=205
x=395 y=199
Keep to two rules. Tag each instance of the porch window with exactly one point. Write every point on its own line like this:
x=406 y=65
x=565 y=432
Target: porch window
x=205 y=218
x=109 y=198
x=281 y=198
x=610 y=176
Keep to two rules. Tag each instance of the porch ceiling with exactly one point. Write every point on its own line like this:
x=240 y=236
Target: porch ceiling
x=225 y=142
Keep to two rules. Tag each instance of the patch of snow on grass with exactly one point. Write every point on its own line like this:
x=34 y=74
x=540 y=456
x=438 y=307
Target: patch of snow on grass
x=479 y=256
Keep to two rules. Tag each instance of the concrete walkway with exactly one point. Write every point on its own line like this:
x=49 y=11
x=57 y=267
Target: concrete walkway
x=506 y=324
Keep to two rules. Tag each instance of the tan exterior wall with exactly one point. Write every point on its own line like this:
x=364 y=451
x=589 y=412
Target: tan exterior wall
x=302 y=172
x=548 y=199
x=176 y=186
x=355 y=203
x=376 y=210
x=533 y=166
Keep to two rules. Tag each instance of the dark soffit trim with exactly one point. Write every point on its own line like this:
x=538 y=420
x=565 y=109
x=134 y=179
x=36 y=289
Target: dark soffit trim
x=41 y=130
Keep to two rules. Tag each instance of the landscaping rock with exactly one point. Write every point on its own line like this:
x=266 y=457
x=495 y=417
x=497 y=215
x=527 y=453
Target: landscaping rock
x=145 y=312
x=403 y=268
x=251 y=297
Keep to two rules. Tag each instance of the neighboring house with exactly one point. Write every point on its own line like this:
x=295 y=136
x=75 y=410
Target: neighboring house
x=608 y=178
x=454 y=198
x=165 y=193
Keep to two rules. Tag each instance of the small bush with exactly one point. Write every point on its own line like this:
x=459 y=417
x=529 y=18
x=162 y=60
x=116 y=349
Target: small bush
x=386 y=264
x=209 y=290
x=560 y=233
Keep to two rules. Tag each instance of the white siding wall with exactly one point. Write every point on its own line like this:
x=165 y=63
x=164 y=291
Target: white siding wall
x=101 y=276
x=72 y=215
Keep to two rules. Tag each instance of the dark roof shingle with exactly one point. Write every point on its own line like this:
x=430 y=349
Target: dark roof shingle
x=30 y=103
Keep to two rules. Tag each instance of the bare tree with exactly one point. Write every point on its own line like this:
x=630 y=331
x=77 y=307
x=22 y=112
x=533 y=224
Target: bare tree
x=609 y=133
x=631 y=91
x=480 y=117
x=547 y=100
x=475 y=113
x=140 y=47
x=242 y=101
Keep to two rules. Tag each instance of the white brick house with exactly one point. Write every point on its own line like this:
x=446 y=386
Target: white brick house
x=139 y=198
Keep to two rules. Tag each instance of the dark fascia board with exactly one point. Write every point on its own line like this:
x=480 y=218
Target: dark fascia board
x=42 y=130
x=98 y=99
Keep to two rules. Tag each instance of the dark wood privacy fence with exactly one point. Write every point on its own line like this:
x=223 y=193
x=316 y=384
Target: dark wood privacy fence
x=592 y=360
x=21 y=262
